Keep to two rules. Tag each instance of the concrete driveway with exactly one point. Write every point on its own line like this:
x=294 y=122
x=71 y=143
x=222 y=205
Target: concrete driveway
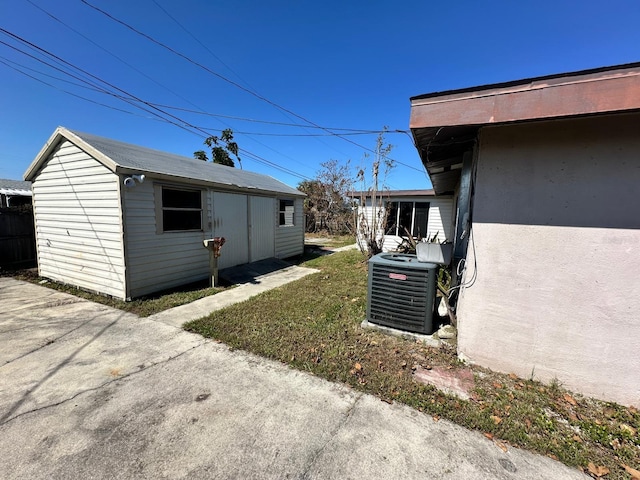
x=87 y=391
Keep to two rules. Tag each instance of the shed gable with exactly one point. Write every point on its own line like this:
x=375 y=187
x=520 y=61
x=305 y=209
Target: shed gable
x=78 y=221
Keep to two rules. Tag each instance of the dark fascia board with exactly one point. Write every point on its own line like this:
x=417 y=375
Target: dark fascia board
x=524 y=81
x=396 y=193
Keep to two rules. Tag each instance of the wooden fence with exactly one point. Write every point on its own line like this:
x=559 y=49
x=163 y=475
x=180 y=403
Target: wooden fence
x=17 y=238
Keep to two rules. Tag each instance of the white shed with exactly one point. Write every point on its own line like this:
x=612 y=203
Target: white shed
x=126 y=220
x=420 y=212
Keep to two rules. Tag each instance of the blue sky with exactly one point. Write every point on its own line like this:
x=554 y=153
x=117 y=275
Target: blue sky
x=333 y=64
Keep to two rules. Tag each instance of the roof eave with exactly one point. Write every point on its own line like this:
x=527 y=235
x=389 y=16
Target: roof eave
x=206 y=183
x=58 y=135
x=445 y=125
x=577 y=96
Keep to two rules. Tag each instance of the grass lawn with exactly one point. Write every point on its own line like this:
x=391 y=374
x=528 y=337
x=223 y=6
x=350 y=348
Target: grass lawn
x=143 y=306
x=314 y=325
x=330 y=241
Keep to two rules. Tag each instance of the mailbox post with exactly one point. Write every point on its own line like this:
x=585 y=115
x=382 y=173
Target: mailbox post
x=214 y=245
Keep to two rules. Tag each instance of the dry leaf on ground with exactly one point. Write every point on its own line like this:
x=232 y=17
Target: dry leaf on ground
x=632 y=471
x=569 y=399
x=495 y=419
x=598 y=471
x=629 y=429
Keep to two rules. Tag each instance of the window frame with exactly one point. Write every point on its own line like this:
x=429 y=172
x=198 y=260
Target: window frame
x=282 y=213
x=161 y=208
x=392 y=225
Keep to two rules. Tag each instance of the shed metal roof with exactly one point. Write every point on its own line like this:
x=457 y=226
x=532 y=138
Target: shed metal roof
x=126 y=158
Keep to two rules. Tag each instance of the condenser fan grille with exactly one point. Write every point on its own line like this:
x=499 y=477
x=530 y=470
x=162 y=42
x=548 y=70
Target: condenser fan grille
x=401 y=293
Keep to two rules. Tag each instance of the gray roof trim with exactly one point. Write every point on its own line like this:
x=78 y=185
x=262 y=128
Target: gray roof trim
x=126 y=158
x=15 y=187
x=397 y=193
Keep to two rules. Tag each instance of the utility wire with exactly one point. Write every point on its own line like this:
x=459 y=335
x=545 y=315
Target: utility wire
x=269 y=162
x=188 y=32
x=154 y=110
x=129 y=98
x=253 y=90
x=51 y=15
x=268 y=122
x=39 y=72
x=7 y=62
x=18 y=68
x=235 y=84
x=199 y=111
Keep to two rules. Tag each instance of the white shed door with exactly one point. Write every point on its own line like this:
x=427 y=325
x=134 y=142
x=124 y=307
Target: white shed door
x=262 y=230
x=230 y=220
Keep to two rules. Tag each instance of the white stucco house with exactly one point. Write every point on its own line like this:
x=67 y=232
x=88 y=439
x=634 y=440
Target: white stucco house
x=419 y=212
x=545 y=174
x=126 y=220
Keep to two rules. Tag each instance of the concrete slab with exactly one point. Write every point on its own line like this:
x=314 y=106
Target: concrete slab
x=116 y=396
x=64 y=346
x=252 y=279
x=254 y=272
x=459 y=381
x=429 y=340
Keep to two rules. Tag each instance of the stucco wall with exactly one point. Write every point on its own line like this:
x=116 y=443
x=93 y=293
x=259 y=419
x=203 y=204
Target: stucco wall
x=556 y=228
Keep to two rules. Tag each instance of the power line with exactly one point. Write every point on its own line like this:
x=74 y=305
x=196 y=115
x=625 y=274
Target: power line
x=129 y=98
x=274 y=165
x=253 y=90
x=188 y=32
x=6 y=62
x=268 y=122
x=153 y=110
x=51 y=15
x=235 y=84
x=271 y=134
x=199 y=111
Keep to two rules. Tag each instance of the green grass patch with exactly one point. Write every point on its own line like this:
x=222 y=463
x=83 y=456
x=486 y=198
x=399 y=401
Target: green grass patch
x=330 y=241
x=314 y=325
x=143 y=306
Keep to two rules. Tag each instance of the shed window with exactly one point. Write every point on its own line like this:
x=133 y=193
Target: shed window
x=181 y=209
x=403 y=217
x=286 y=213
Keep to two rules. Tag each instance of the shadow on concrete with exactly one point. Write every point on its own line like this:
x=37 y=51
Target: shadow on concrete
x=249 y=272
x=30 y=392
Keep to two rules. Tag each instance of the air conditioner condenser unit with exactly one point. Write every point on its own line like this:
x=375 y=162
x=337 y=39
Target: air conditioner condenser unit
x=401 y=292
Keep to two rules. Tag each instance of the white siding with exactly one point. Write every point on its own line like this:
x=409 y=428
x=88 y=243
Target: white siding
x=155 y=260
x=290 y=239
x=230 y=220
x=440 y=221
x=261 y=228
x=78 y=222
